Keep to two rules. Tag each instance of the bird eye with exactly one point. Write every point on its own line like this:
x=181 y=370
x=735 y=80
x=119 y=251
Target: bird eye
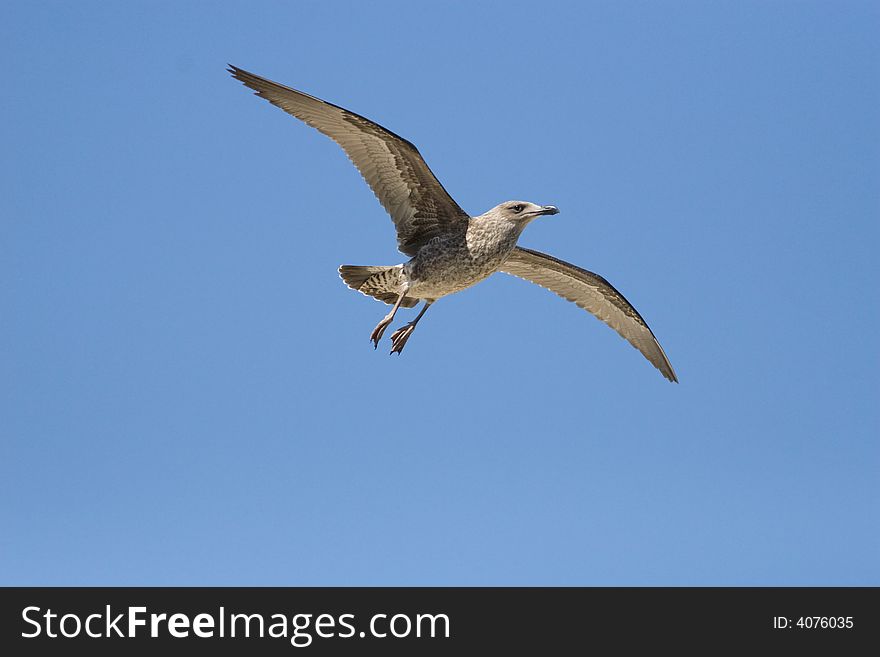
x=517 y=208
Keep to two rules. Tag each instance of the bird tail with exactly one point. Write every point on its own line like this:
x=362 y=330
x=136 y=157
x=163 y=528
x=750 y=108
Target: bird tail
x=382 y=283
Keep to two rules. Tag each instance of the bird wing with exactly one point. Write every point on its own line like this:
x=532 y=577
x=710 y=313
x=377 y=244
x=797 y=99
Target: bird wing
x=592 y=293
x=418 y=204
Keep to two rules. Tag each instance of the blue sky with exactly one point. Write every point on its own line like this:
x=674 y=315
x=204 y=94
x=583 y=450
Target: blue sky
x=189 y=395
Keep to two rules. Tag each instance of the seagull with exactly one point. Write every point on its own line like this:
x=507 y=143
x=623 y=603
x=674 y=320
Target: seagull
x=449 y=250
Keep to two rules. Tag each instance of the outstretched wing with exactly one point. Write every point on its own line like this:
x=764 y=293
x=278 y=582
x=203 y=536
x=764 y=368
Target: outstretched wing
x=592 y=293
x=419 y=206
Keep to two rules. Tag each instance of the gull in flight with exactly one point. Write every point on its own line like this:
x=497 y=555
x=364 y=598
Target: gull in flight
x=449 y=250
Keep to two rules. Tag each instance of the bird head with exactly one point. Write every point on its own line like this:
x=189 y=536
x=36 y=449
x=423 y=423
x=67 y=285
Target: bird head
x=521 y=212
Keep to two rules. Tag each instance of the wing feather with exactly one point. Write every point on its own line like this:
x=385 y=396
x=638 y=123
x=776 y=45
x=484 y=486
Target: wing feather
x=404 y=184
x=595 y=295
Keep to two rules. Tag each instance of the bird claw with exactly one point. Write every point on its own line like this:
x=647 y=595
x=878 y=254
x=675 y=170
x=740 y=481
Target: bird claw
x=399 y=338
x=378 y=332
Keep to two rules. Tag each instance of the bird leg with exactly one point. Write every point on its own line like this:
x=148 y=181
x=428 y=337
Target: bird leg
x=381 y=326
x=401 y=335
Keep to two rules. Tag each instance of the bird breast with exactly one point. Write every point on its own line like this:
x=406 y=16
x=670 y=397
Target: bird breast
x=450 y=263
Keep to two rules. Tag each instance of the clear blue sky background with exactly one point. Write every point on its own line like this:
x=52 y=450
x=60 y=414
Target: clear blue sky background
x=189 y=395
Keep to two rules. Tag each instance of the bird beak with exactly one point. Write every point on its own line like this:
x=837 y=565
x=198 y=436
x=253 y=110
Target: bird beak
x=549 y=209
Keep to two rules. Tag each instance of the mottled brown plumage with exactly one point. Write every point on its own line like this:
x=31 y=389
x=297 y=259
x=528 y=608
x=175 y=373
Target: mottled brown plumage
x=449 y=250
